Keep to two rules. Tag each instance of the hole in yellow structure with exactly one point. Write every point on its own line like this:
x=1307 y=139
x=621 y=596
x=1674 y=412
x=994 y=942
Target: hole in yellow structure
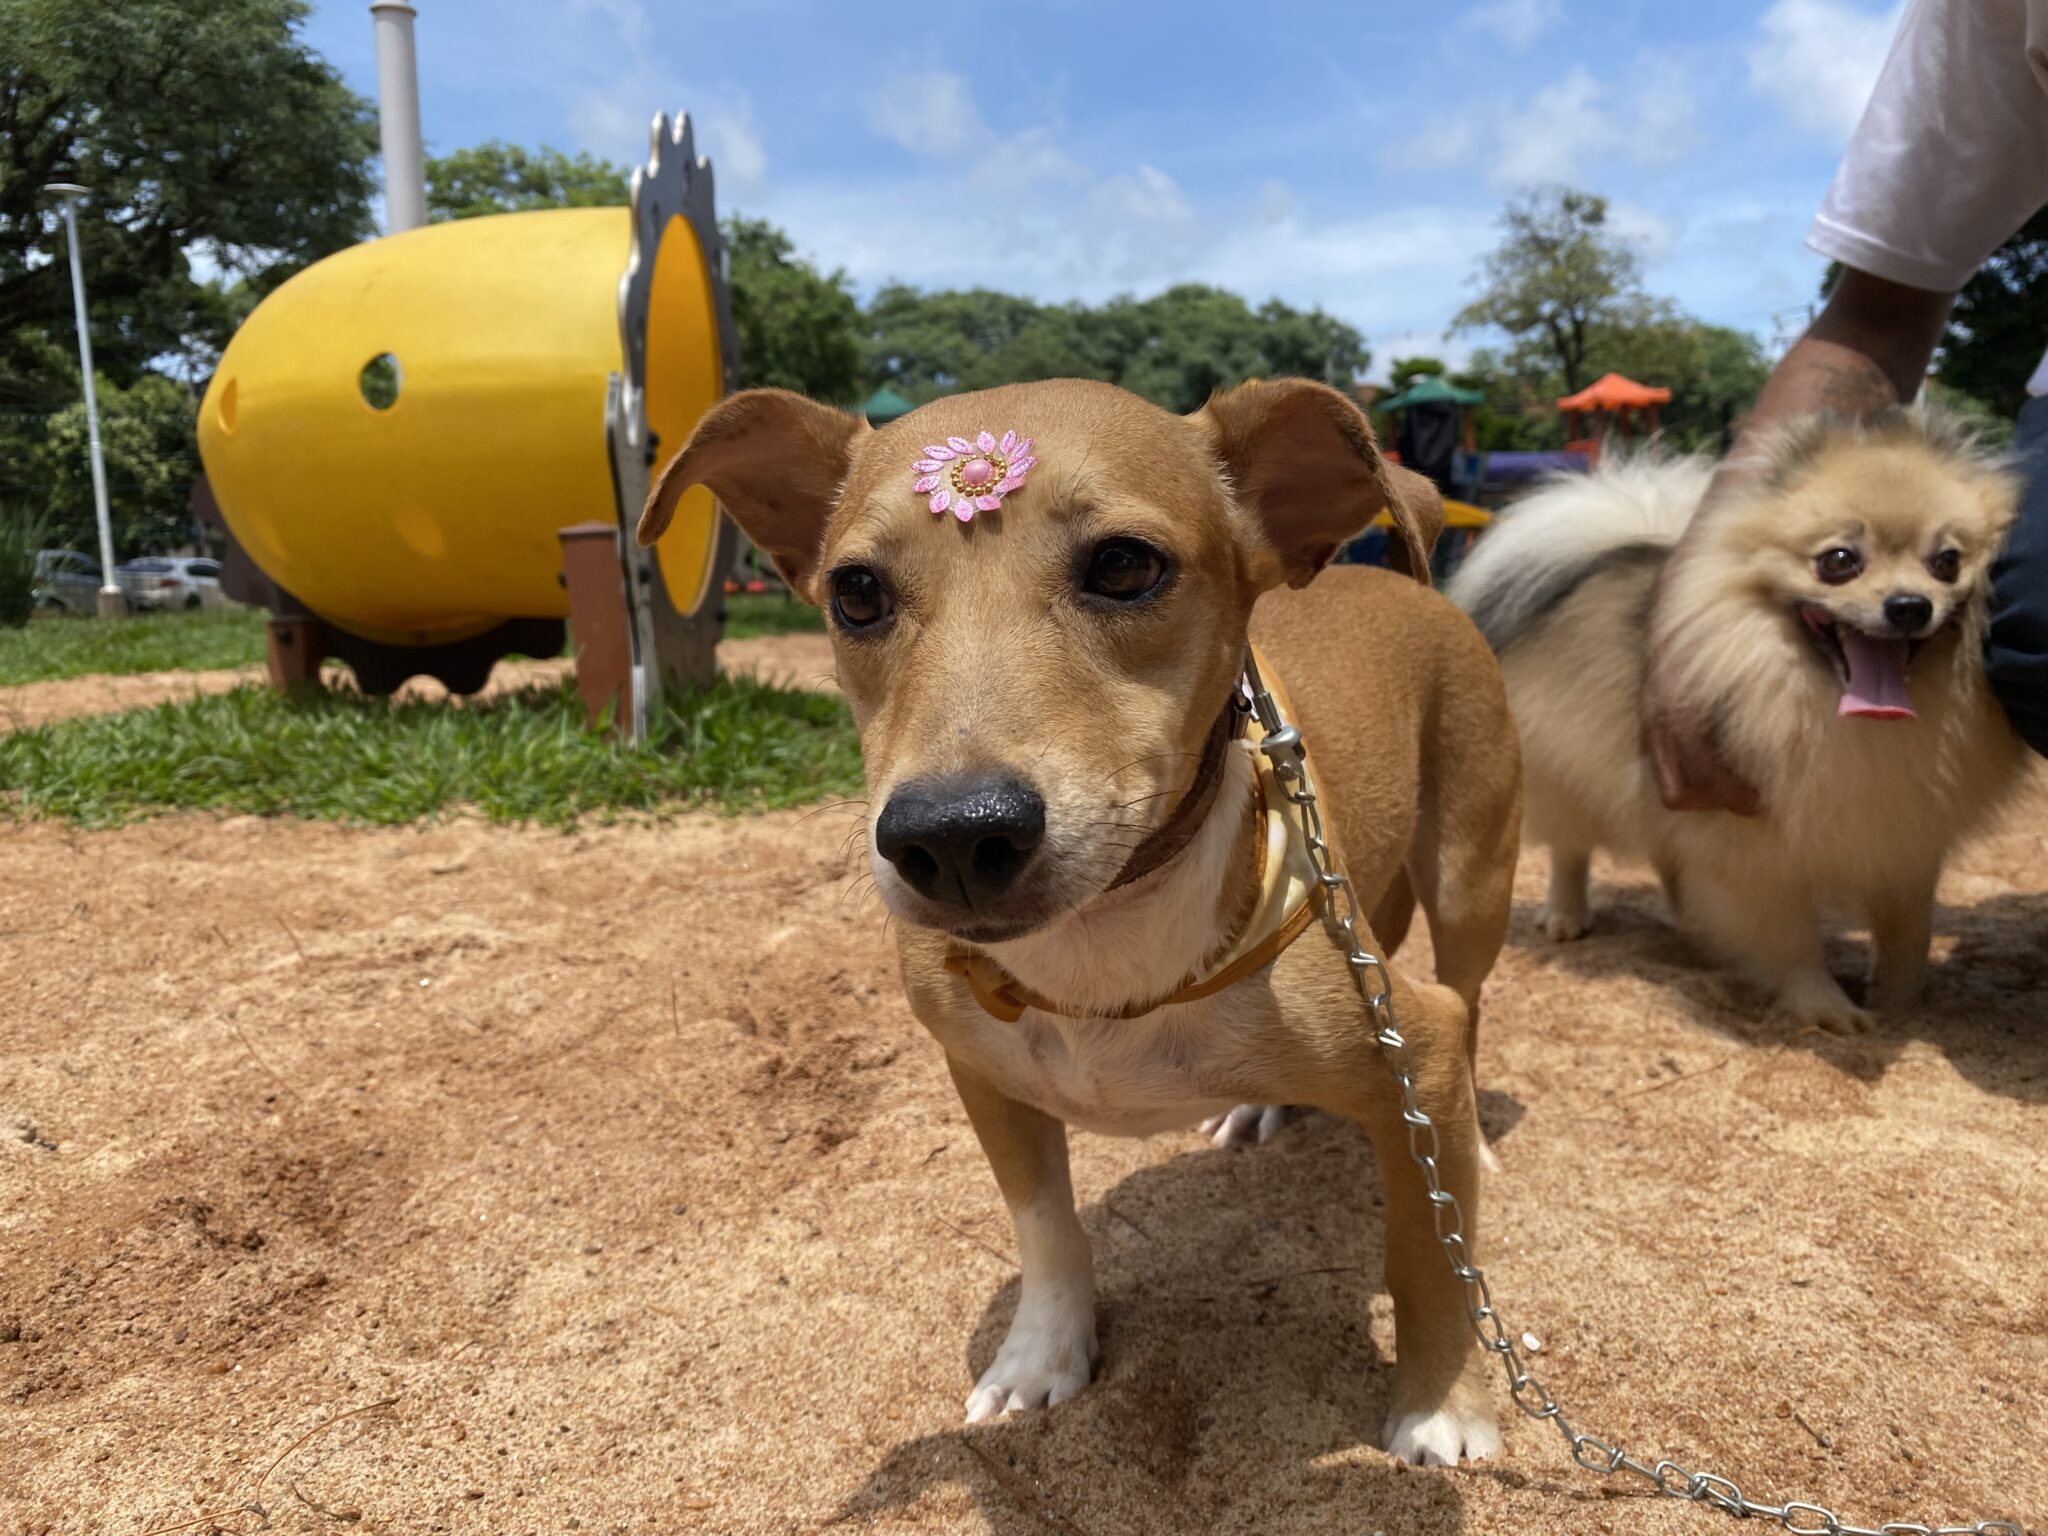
x=380 y=381
x=225 y=409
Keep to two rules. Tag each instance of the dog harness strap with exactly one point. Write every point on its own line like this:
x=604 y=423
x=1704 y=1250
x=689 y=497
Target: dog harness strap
x=1290 y=899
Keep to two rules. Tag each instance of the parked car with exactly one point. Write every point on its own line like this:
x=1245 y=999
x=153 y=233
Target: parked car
x=171 y=581
x=67 y=582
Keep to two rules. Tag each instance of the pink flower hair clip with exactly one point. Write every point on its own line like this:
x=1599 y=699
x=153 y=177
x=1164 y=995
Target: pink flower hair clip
x=965 y=478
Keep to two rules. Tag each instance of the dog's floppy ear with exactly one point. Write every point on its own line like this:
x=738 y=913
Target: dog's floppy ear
x=1301 y=457
x=775 y=461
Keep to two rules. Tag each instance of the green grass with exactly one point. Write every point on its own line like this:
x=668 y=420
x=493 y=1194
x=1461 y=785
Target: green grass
x=50 y=648
x=752 y=614
x=522 y=757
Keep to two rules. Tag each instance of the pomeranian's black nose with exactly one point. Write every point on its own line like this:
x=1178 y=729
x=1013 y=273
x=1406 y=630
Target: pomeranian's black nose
x=1908 y=612
x=962 y=839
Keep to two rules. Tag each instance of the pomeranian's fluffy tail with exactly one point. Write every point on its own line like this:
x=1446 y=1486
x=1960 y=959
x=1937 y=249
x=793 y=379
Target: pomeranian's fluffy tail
x=1539 y=550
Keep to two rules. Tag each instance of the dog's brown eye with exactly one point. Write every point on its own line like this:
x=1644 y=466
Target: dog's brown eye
x=1946 y=566
x=859 y=600
x=1124 y=570
x=1839 y=565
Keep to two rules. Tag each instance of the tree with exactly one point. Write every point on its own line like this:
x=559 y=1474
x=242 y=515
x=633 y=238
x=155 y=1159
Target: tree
x=209 y=127
x=208 y=132
x=151 y=461
x=1403 y=371
x=497 y=177
x=1994 y=338
x=1176 y=348
x=1556 y=275
x=799 y=328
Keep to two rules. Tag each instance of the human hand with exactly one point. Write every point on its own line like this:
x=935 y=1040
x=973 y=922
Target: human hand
x=1691 y=773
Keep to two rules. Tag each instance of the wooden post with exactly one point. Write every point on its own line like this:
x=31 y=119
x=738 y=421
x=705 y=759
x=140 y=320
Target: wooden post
x=294 y=648
x=597 y=621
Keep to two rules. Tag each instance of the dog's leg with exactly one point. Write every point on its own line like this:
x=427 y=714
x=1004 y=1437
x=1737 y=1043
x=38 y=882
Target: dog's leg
x=1049 y=1352
x=1901 y=927
x=1769 y=928
x=1396 y=910
x=1442 y=1405
x=1568 y=909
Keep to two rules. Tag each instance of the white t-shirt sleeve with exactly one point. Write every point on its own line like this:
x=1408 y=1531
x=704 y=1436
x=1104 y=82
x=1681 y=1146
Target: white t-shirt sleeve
x=1951 y=155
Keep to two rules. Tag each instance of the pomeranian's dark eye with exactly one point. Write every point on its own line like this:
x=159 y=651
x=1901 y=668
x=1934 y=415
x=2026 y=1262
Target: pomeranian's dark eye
x=859 y=600
x=1836 y=566
x=1946 y=566
x=1124 y=570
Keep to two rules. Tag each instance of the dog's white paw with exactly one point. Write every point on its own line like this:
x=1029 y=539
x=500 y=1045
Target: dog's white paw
x=1245 y=1125
x=1562 y=924
x=1438 y=1438
x=1818 y=1002
x=1045 y=1360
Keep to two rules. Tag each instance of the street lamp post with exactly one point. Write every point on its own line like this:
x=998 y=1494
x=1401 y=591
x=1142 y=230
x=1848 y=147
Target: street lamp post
x=111 y=604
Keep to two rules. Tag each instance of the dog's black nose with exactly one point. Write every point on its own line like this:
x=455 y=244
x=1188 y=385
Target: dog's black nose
x=1908 y=612
x=962 y=839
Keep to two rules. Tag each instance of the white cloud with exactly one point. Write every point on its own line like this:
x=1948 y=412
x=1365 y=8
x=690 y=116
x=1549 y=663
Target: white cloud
x=1818 y=59
x=1276 y=201
x=1574 y=124
x=602 y=122
x=930 y=113
x=1517 y=23
x=1662 y=116
x=1439 y=146
x=1556 y=135
x=629 y=17
x=1147 y=196
x=1652 y=235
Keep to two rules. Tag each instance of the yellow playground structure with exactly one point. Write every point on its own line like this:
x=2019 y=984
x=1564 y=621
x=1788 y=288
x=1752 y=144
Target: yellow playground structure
x=397 y=436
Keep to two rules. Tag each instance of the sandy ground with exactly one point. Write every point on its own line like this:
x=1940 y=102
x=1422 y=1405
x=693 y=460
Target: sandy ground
x=472 y=1180
x=802 y=660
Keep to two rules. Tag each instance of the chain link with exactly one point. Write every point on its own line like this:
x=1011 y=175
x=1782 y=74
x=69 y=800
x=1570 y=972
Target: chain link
x=1282 y=744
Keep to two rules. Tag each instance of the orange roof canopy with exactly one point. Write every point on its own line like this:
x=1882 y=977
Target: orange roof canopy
x=1612 y=392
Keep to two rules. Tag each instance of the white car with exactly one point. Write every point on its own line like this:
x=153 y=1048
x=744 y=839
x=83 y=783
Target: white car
x=171 y=581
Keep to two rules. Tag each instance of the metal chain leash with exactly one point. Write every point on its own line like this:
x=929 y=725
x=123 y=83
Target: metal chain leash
x=1283 y=746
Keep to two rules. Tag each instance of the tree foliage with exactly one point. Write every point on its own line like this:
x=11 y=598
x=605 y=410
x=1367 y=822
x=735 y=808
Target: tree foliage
x=195 y=127
x=1557 y=275
x=207 y=133
x=1176 y=348
x=799 y=328
x=496 y=177
x=2000 y=324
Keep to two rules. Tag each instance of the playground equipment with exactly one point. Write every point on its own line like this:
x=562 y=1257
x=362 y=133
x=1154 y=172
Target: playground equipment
x=1610 y=406
x=397 y=436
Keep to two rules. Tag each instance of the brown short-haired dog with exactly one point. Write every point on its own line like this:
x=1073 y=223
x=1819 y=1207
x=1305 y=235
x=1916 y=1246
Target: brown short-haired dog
x=1072 y=838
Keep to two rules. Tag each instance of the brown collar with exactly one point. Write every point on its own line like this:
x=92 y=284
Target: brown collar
x=1178 y=830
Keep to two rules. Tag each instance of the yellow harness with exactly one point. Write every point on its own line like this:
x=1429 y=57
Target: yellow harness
x=1290 y=897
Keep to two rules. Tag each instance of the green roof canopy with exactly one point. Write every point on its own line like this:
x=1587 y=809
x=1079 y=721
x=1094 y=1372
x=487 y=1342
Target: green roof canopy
x=885 y=405
x=1431 y=390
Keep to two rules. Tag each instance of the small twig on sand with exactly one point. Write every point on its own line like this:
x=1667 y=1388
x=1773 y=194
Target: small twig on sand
x=250 y=1506
x=1669 y=1082
x=287 y=927
x=1111 y=1206
x=1027 y=1500
x=1819 y=1439
x=345 y=1516
x=988 y=1248
x=249 y=1046
x=1296 y=1274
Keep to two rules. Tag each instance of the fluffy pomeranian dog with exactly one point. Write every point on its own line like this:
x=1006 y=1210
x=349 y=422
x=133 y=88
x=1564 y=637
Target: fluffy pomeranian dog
x=1833 y=622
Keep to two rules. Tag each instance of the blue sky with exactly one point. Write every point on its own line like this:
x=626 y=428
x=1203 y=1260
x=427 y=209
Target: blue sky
x=1352 y=155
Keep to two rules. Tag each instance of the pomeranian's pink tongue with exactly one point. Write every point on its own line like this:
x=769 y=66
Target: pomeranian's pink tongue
x=1876 y=688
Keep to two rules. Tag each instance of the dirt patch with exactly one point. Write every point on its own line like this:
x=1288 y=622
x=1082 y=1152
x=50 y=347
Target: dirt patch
x=798 y=661
x=607 y=1185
